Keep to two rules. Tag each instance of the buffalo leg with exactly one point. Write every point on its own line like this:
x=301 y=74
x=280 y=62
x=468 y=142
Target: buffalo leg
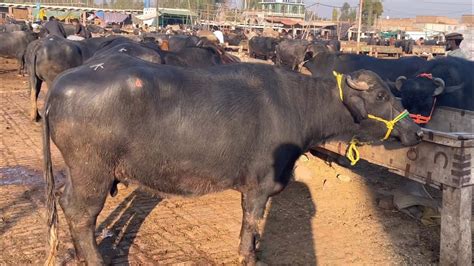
x=21 y=65
x=81 y=206
x=253 y=207
x=35 y=88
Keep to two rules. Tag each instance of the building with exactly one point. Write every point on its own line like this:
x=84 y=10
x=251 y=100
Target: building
x=167 y=16
x=468 y=20
x=283 y=8
x=420 y=26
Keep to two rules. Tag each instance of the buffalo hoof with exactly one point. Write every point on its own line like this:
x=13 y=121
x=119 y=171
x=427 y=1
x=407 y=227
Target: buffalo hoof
x=249 y=260
x=36 y=119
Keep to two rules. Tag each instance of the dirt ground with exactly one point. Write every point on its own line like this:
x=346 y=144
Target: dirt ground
x=317 y=219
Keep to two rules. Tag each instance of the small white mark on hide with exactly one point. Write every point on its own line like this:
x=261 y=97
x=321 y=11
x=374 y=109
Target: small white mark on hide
x=122 y=50
x=97 y=66
x=51 y=39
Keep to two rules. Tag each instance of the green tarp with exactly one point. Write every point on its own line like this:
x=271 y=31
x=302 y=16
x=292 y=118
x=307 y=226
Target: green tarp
x=62 y=15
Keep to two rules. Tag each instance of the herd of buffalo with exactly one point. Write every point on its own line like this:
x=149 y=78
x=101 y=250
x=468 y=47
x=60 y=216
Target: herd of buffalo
x=192 y=119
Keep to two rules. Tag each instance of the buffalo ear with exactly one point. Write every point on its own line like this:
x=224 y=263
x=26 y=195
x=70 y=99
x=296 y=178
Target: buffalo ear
x=393 y=88
x=440 y=86
x=356 y=85
x=356 y=106
x=399 y=82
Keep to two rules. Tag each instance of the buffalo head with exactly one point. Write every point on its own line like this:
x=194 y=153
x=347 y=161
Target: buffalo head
x=372 y=105
x=418 y=94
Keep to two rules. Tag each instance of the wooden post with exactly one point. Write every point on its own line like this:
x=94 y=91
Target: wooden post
x=456 y=242
x=208 y=16
x=190 y=14
x=359 y=24
x=30 y=14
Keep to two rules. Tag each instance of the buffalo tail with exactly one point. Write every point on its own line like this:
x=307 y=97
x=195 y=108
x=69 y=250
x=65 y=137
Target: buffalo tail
x=51 y=208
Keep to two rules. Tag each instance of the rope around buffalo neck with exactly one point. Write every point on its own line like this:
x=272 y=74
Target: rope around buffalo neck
x=352 y=153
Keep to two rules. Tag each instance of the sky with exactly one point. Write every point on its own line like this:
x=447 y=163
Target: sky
x=397 y=8
x=406 y=8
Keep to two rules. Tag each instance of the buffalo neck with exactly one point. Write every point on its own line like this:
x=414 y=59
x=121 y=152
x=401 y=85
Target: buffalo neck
x=324 y=115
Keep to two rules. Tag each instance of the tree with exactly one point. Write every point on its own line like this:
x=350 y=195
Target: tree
x=352 y=14
x=335 y=14
x=345 y=12
x=372 y=10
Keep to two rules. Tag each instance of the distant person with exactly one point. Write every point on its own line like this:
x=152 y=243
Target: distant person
x=54 y=27
x=453 y=41
x=219 y=35
x=392 y=41
x=116 y=28
x=80 y=30
x=420 y=41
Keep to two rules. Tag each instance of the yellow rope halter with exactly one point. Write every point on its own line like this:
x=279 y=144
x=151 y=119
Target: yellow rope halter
x=352 y=153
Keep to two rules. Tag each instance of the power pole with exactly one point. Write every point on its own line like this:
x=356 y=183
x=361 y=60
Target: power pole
x=190 y=14
x=359 y=24
x=208 y=16
x=157 y=13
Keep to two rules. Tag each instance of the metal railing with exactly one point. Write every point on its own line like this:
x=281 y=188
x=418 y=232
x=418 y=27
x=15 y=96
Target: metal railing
x=80 y=3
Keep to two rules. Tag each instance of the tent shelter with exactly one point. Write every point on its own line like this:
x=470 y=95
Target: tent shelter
x=167 y=16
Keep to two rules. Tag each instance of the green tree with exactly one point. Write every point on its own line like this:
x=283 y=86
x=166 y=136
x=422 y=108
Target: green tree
x=353 y=14
x=253 y=4
x=335 y=14
x=372 y=10
x=345 y=12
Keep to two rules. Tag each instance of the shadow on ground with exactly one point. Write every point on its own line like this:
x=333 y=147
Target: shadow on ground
x=287 y=235
x=120 y=228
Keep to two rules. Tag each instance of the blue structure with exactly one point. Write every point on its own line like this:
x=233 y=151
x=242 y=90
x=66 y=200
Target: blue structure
x=146 y=3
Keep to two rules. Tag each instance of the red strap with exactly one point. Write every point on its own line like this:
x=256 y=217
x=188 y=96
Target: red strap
x=421 y=119
x=425 y=75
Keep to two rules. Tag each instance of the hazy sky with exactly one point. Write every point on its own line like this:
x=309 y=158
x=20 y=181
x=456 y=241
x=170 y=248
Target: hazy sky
x=407 y=8
x=396 y=8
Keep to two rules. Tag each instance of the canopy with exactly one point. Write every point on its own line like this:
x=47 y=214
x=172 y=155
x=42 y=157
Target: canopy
x=110 y=17
x=61 y=15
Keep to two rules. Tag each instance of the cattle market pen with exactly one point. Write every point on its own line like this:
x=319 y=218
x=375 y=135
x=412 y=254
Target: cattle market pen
x=443 y=160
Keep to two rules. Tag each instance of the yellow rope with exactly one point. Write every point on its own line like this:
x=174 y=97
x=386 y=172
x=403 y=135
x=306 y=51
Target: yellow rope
x=352 y=153
x=339 y=83
x=390 y=124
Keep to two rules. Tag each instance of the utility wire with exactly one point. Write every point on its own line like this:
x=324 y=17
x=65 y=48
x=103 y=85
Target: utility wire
x=449 y=3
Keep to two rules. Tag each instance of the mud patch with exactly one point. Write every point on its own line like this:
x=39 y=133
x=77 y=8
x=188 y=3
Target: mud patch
x=20 y=175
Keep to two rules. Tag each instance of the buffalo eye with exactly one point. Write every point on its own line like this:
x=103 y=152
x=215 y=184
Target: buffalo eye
x=382 y=96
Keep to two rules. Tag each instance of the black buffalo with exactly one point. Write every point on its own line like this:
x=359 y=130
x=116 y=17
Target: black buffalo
x=291 y=53
x=51 y=56
x=263 y=47
x=388 y=69
x=185 y=131
x=69 y=29
x=138 y=50
x=204 y=54
x=11 y=27
x=15 y=25
x=449 y=80
x=95 y=29
x=332 y=45
x=14 y=45
x=406 y=45
x=179 y=42
x=234 y=38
